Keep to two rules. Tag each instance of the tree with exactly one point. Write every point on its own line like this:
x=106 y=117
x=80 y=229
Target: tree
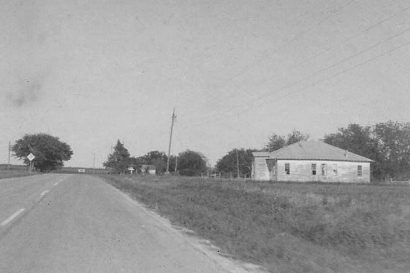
x=388 y=144
x=359 y=140
x=355 y=138
x=228 y=163
x=173 y=163
x=191 y=163
x=156 y=158
x=136 y=163
x=119 y=159
x=48 y=150
x=296 y=136
x=276 y=141
x=393 y=142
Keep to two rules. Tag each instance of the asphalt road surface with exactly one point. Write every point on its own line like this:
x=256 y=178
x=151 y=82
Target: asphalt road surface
x=78 y=223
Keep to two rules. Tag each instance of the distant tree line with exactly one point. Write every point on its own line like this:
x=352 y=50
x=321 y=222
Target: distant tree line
x=387 y=144
x=189 y=163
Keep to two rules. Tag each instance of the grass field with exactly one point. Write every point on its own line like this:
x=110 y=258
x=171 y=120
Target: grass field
x=13 y=173
x=288 y=227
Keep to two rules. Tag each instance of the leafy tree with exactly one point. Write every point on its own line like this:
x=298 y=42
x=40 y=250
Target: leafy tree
x=48 y=150
x=156 y=158
x=296 y=136
x=393 y=142
x=119 y=160
x=228 y=163
x=359 y=140
x=355 y=138
x=191 y=163
x=276 y=141
x=388 y=144
x=172 y=163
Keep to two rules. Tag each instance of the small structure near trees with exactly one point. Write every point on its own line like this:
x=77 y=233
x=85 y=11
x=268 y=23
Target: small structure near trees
x=148 y=169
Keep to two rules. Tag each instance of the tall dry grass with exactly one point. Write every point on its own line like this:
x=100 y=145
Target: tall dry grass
x=288 y=227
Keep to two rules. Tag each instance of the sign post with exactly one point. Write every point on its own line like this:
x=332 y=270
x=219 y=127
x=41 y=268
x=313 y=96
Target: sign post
x=31 y=157
x=131 y=169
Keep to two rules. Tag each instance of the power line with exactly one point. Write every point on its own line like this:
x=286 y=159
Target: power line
x=332 y=65
x=265 y=55
x=345 y=41
x=293 y=84
x=350 y=38
x=343 y=61
x=244 y=110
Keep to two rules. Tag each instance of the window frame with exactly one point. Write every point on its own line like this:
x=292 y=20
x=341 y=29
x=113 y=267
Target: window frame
x=324 y=169
x=335 y=170
x=313 y=167
x=359 y=170
x=287 y=168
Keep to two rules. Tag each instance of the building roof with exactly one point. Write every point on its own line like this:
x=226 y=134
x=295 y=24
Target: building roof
x=313 y=150
x=262 y=154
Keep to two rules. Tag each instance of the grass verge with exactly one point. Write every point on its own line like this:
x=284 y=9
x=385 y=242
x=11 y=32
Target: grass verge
x=288 y=227
x=13 y=173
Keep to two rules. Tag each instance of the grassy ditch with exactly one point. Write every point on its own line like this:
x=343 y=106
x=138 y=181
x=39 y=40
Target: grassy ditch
x=13 y=173
x=288 y=227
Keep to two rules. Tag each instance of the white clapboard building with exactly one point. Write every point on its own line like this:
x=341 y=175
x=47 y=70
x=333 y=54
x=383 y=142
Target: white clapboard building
x=308 y=161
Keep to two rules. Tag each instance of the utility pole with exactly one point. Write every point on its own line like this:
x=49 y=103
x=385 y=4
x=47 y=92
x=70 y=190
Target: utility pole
x=237 y=164
x=93 y=162
x=8 y=161
x=176 y=164
x=170 y=139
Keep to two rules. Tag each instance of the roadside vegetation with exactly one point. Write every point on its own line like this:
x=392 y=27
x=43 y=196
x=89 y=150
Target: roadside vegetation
x=190 y=163
x=287 y=227
x=13 y=173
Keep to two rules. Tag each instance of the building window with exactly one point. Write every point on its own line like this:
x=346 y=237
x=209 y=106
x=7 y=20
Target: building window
x=313 y=169
x=359 y=170
x=335 y=169
x=287 y=168
x=323 y=169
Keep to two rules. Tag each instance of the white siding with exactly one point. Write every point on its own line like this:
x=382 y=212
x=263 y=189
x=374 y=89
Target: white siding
x=301 y=171
x=260 y=171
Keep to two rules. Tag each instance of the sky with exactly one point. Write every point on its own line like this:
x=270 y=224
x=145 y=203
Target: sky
x=236 y=71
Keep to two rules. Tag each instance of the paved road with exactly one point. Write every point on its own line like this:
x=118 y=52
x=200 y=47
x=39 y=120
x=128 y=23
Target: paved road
x=77 y=223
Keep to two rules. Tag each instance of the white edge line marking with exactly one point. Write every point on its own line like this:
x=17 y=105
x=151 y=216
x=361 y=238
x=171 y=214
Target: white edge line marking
x=14 y=215
x=43 y=193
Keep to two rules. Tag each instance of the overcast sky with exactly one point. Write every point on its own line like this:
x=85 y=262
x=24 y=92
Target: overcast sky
x=92 y=72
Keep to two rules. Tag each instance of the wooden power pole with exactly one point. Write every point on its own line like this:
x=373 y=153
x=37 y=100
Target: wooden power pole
x=237 y=164
x=170 y=139
x=8 y=161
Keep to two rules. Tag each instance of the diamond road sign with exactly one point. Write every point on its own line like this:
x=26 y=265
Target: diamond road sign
x=30 y=157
